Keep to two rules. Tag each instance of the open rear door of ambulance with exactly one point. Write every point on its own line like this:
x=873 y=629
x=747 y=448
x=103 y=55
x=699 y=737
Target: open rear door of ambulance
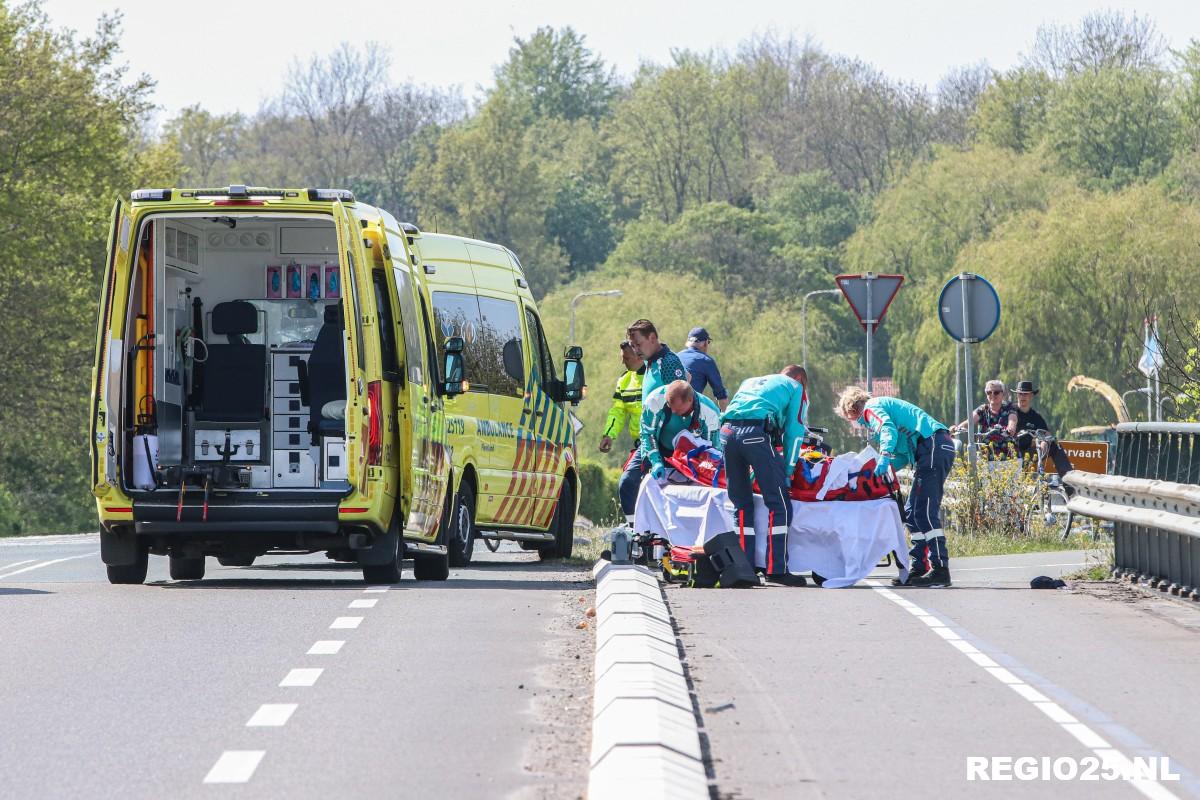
x=356 y=361
x=106 y=374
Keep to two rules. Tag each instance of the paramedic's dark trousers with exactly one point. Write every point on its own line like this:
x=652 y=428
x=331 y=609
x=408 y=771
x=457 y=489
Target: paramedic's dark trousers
x=631 y=481
x=932 y=459
x=748 y=447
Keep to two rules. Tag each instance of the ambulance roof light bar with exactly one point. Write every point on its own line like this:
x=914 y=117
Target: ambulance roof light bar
x=141 y=195
x=344 y=195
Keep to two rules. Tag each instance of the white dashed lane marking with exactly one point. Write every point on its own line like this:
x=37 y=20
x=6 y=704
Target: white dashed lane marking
x=238 y=766
x=235 y=766
x=1108 y=754
x=272 y=715
x=43 y=564
x=302 y=676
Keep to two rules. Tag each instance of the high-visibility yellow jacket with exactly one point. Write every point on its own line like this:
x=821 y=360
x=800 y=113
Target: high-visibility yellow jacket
x=626 y=406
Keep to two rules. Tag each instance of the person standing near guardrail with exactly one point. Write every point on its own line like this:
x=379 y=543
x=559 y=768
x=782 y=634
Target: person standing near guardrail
x=702 y=368
x=905 y=434
x=627 y=400
x=662 y=367
x=762 y=410
x=1028 y=419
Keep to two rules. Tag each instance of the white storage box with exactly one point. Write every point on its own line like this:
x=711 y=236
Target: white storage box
x=286 y=389
x=284 y=366
x=294 y=469
x=287 y=405
x=333 y=459
x=207 y=441
x=291 y=440
x=290 y=422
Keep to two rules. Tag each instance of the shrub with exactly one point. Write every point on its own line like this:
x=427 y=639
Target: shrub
x=598 y=493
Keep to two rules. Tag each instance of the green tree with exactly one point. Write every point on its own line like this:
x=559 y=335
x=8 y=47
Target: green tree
x=207 y=145
x=70 y=123
x=1012 y=111
x=1114 y=126
x=559 y=75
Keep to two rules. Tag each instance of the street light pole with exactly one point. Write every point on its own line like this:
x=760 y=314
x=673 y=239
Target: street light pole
x=575 y=301
x=804 y=323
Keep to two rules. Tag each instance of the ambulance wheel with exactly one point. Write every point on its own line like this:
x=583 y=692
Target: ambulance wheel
x=462 y=526
x=236 y=560
x=564 y=525
x=187 y=569
x=130 y=573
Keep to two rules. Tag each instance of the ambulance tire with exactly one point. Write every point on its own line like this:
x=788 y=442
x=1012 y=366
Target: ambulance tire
x=236 y=560
x=462 y=526
x=187 y=569
x=390 y=570
x=563 y=526
x=134 y=573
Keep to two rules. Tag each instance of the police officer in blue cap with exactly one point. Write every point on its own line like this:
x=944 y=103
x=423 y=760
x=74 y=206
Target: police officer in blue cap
x=702 y=368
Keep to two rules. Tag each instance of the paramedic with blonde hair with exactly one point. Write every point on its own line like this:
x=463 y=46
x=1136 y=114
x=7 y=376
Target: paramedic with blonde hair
x=905 y=434
x=763 y=409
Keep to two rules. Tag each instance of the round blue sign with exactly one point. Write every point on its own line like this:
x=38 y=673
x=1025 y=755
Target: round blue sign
x=969 y=308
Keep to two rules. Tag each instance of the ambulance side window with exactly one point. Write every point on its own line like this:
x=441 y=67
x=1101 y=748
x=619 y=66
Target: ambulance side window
x=356 y=299
x=387 y=330
x=543 y=364
x=408 y=320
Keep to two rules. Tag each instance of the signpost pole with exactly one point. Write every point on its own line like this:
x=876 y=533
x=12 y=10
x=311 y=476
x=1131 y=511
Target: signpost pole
x=957 y=382
x=969 y=378
x=870 y=322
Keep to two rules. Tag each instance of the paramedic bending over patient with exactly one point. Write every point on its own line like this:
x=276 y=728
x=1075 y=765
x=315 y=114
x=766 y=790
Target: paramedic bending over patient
x=907 y=435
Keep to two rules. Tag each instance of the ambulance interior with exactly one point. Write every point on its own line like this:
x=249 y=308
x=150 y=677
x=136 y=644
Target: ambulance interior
x=238 y=379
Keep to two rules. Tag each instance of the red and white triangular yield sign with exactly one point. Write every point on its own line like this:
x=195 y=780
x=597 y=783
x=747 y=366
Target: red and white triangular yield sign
x=882 y=290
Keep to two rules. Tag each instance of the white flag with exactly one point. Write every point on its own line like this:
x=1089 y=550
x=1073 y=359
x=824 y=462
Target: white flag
x=1152 y=359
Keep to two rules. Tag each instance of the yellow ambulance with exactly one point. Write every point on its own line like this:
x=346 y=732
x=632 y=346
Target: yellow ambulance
x=511 y=435
x=270 y=376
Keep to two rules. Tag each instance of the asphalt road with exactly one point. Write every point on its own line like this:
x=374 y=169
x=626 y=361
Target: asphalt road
x=290 y=679
x=873 y=692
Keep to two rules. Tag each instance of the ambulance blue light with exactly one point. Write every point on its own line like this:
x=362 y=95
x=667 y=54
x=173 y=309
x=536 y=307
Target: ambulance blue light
x=139 y=195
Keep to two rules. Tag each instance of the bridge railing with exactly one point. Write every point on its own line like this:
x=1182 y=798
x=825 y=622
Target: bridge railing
x=1153 y=503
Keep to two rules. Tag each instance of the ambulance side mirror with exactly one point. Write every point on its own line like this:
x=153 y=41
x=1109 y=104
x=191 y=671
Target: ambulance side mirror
x=455 y=382
x=573 y=380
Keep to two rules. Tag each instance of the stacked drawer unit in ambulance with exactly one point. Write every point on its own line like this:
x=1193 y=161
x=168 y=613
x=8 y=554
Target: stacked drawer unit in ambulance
x=294 y=463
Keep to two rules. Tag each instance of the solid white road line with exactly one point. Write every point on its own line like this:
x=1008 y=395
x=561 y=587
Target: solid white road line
x=18 y=563
x=272 y=715
x=235 y=766
x=47 y=564
x=1082 y=733
x=303 y=676
x=326 y=647
x=376 y=590
x=1026 y=566
x=362 y=603
x=346 y=622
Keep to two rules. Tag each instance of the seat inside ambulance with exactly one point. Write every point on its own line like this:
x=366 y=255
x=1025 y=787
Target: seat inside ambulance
x=236 y=371
x=324 y=378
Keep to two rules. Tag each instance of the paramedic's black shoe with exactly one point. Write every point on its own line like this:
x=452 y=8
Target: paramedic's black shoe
x=787 y=579
x=818 y=579
x=913 y=574
x=935 y=578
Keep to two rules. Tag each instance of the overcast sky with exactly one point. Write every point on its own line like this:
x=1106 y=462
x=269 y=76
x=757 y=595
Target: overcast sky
x=231 y=56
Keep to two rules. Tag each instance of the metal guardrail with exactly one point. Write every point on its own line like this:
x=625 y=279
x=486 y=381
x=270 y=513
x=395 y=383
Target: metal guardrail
x=1159 y=450
x=1156 y=526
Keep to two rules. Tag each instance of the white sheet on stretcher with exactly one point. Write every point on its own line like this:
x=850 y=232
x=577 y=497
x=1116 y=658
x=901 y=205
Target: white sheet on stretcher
x=840 y=540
